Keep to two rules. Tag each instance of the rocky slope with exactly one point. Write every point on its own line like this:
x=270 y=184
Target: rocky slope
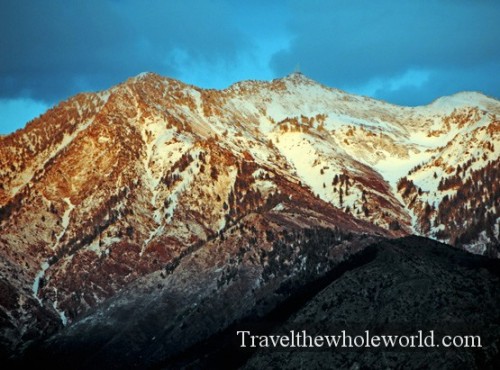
x=109 y=191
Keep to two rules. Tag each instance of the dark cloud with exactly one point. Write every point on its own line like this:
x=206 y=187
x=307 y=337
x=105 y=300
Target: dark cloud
x=349 y=43
x=483 y=78
x=51 y=49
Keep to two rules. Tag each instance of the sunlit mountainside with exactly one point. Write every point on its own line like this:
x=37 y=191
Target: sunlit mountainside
x=156 y=184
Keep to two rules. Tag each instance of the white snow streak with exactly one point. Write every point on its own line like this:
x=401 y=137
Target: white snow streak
x=65 y=220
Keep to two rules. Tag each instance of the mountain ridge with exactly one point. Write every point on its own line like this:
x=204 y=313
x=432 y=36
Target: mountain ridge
x=107 y=188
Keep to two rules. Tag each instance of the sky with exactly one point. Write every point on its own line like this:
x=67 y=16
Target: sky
x=407 y=52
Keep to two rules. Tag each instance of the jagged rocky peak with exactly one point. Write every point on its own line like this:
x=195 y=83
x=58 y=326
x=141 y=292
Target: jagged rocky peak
x=299 y=78
x=148 y=87
x=148 y=77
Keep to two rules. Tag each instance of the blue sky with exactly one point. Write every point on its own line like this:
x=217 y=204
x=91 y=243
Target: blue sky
x=405 y=52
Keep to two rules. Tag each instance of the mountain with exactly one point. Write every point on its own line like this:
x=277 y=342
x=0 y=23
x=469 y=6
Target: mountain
x=391 y=287
x=246 y=193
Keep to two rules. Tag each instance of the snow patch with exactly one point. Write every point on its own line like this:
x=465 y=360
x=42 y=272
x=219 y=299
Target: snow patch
x=64 y=222
x=36 y=283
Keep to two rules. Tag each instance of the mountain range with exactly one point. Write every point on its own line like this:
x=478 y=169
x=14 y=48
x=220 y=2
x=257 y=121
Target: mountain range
x=158 y=194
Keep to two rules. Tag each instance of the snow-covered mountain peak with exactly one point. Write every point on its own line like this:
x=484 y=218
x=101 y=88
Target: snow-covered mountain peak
x=464 y=98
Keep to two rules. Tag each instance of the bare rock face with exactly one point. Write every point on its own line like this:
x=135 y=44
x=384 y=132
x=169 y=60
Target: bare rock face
x=109 y=191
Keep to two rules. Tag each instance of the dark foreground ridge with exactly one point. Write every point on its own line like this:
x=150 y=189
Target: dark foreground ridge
x=392 y=287
x=223 y=350
x=412 y=284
